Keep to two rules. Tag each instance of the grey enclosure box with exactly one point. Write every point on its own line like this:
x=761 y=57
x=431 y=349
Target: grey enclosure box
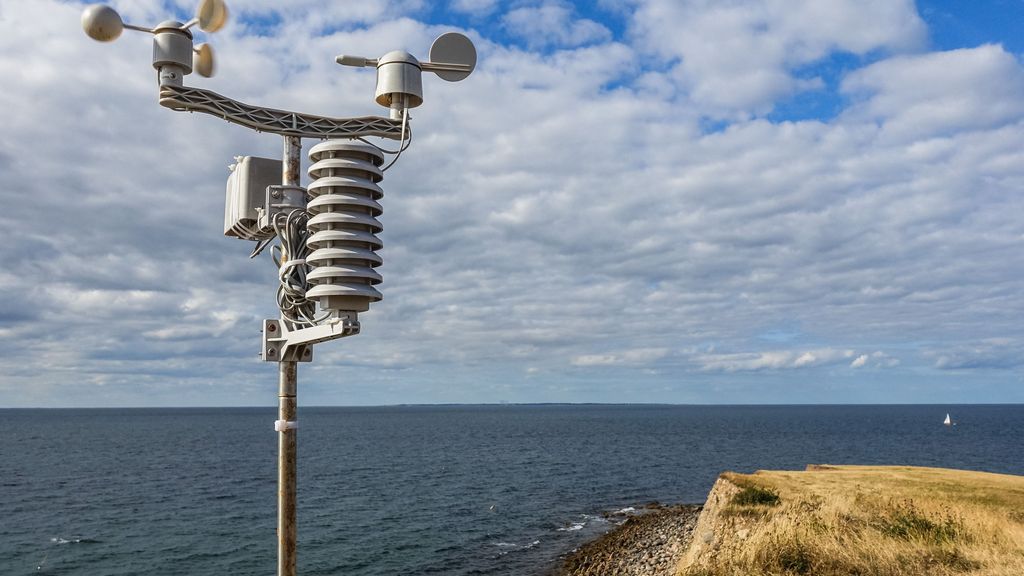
x=246 y=192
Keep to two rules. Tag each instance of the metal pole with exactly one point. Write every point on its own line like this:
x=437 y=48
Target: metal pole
x=286 y=476
x=292 y=152
x=286 y=411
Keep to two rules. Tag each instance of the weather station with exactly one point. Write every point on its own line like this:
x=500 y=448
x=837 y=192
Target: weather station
x=326 y=233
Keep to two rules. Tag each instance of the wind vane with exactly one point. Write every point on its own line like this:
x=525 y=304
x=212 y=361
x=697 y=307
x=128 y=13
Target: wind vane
x=327 y=232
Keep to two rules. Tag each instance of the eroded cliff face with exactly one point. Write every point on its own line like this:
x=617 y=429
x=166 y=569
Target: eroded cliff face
x=716 y=532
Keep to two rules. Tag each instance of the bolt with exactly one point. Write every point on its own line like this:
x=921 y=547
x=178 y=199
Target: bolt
x=275 y=193
x=271 y=352
x=271 y=328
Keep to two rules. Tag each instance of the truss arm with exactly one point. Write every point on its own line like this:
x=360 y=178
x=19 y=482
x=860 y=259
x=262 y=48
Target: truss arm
x=281 y=122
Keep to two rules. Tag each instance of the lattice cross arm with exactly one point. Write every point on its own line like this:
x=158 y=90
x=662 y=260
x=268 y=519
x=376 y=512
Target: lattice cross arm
x=274 y=121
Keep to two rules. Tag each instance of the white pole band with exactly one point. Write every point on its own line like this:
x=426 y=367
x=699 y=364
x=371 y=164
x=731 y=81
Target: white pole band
x=282 y=425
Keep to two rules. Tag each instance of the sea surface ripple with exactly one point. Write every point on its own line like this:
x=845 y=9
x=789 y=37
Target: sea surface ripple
x=455 y=490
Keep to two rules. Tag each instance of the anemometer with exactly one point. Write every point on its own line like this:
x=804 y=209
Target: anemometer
x=327 y=232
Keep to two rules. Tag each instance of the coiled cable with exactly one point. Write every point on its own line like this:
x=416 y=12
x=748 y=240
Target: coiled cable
x=290 y=257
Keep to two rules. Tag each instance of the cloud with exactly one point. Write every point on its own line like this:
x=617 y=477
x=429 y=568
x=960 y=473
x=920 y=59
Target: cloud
x=876 y=360
x=636 y=357
x=474 y=7
x=562 y=216
x=309 y=14
x=771 y=360
x=933 y=95
x=553 y=24
x=740 y=57
x=987 y=354
x=595 y=360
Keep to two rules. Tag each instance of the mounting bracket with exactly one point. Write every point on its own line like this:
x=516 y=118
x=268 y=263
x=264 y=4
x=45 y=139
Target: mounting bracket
x=281 y=344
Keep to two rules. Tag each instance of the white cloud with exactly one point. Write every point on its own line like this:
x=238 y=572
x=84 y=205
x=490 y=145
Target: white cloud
x=739 y=57
x=474 y=7
x=876 y=360
x=805 y=359
x=999 y=353
x=559 y=215
x=595 y=360
x=644 y=355
x=635 y=357
x=553 y=24
x=932 y=95
x=314 y=15
x=771 y=360
x=884 y=360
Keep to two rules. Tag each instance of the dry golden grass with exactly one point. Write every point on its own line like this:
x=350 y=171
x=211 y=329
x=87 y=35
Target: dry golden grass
x=869 y=521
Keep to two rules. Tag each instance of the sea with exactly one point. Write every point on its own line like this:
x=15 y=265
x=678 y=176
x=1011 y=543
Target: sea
x=406 y=490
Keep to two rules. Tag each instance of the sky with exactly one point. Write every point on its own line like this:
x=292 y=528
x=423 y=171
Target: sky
x=642 y=201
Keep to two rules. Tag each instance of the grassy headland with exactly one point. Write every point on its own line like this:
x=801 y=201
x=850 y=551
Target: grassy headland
x=861 y=520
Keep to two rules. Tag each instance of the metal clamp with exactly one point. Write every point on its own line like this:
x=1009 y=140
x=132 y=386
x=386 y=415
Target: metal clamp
x=283 y=425
x=280 y=200
x=283 y=345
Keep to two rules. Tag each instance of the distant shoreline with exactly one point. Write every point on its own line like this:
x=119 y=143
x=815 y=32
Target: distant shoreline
x=270 y=405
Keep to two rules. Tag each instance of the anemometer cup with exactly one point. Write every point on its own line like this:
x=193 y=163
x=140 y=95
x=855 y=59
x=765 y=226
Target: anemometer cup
x=203 y=60
x=102 y=23
x=211 y=15
x=172 y=40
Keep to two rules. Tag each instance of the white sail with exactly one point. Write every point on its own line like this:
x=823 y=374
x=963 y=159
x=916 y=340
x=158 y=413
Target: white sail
x=947 y=421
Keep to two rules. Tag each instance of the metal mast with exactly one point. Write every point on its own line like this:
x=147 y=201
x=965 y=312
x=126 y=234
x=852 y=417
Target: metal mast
x=327 y=233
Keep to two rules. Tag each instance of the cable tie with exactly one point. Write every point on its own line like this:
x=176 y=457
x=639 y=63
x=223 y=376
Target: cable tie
x=282 y=425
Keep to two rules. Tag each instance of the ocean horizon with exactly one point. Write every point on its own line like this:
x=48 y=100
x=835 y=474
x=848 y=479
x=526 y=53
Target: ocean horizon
x=470 y=404
x=460 y=489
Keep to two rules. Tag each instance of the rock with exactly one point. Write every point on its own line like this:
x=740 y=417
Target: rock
x=649 y=544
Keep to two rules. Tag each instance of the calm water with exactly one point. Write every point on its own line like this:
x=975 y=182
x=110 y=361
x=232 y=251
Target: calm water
x=416 y=490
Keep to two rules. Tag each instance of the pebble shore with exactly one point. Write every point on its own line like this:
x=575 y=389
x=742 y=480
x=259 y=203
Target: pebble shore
x=649 y=544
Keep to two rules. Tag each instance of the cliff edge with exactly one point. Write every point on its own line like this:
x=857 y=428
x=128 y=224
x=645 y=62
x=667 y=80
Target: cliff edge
x=864 y=520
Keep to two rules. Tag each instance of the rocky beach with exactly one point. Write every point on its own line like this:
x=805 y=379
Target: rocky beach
x=649 y=544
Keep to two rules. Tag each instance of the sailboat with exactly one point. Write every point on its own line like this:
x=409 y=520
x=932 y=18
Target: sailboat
x=947 y=421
